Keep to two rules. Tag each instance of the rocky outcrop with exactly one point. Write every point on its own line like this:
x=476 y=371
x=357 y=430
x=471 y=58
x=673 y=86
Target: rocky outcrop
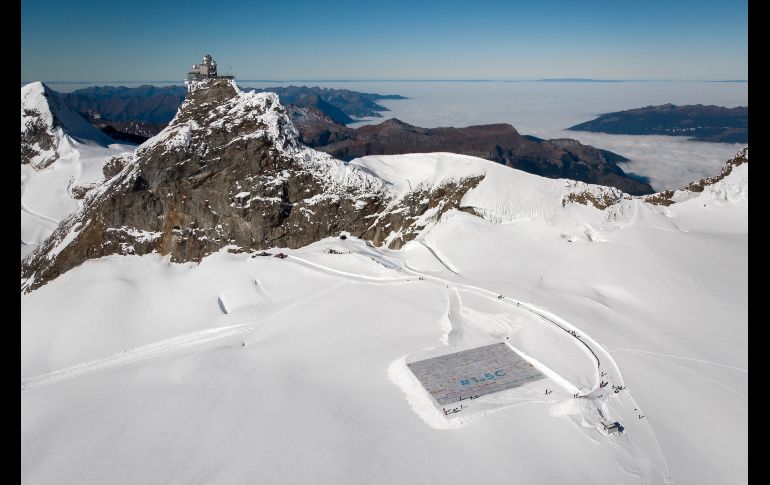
x=601 y=200
x=115 y=165
x=48 y=125
x=37 y=142
x=132 y=132
x=229 y=171
x=38 y=124
x=668 y=197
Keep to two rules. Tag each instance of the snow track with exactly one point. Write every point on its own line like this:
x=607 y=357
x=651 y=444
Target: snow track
x=444 y=262
x=345 y=274
x=474 y=316
x=592 y=348
x=150 y=351
x=642 y=448
x=37 y=214
x=165 y=347
x=679 y=357
x=411 y=275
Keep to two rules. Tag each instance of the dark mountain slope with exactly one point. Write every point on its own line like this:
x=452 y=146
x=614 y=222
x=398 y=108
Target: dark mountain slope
x=699 y=122
x=558 y=158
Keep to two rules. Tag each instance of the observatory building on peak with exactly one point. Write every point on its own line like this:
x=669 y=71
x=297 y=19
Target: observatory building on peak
x=207 y=69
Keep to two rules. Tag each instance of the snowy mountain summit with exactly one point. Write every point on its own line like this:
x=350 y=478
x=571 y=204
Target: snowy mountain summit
x=62 y=159
x=476 y=324
x=229 y=171
x=48 y=126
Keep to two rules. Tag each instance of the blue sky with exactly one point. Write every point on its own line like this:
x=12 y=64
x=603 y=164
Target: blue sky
x=85 y=40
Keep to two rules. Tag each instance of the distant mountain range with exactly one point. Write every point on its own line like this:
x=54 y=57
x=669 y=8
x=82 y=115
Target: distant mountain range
x=157 y=105
x=148 y=104
x=223 y=302
x=135 y=114
x=352 y=103
x=500 y=142
x=231 y=171
x=699 y=122
x=320 y=115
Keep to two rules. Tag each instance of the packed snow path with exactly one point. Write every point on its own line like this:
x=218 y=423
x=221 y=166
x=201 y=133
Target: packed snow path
x=163 y=348
x=637 y=449
x=645 y=453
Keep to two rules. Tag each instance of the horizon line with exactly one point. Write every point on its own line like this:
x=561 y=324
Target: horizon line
x=563 y=80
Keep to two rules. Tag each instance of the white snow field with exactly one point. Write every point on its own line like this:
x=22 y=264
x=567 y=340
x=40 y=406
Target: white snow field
x=134 y=369
x=46 y=197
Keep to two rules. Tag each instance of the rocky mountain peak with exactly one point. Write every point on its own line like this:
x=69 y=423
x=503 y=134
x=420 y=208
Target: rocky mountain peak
x=38 y=144
x=229 y=171
x=48 y=126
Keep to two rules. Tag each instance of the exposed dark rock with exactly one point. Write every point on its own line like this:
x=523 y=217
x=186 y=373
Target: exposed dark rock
x=600 y=201
x=140 y=183
x=113 y=133
x=114 y=165
x=315 y=128
x=666 y=198
x=80 y=191
x=46 y=121
x=184 y=192
x=36 y=137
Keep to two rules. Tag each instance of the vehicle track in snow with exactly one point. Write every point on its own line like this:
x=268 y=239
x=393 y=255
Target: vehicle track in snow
x=677 y=357
x=412 y=274
x=36 y=214
x=584 y=339
x=162 y=348
x=592 y=348
x=345 y=274
x=444 y=262
x=137 y=354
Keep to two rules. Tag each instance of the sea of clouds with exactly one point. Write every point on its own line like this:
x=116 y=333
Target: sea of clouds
x=546 y=109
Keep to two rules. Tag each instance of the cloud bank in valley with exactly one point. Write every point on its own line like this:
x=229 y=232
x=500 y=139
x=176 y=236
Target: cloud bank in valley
x=546 y=109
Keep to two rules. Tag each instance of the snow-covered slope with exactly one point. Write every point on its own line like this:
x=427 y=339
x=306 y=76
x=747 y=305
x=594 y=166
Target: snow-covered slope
x=45 y=114
x=61 y=158
x=503 y=195
x=229 y=170
x=246 y=369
